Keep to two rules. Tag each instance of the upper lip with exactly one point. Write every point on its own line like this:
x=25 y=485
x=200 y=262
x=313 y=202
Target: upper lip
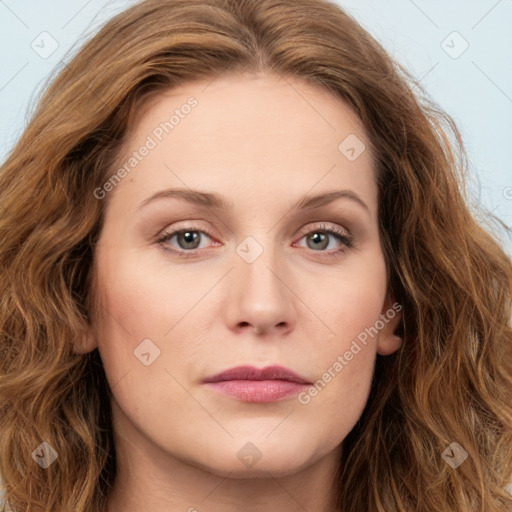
x=253 y=373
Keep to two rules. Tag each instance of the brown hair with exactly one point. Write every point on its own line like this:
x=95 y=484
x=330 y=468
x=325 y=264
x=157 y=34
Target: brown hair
x=450 y=381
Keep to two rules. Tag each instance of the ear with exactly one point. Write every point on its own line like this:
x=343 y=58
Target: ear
x=86 y=342
x=390 y=337
x=87 y=339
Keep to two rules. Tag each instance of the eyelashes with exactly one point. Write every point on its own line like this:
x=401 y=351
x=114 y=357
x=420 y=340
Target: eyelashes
x=326 y=231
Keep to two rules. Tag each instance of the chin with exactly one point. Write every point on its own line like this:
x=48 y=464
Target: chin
x=256 y=458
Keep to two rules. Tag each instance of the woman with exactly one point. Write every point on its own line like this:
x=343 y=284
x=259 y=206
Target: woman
x=239 y=273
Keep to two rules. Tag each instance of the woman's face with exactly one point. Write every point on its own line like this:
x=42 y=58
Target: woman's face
x=255 y=279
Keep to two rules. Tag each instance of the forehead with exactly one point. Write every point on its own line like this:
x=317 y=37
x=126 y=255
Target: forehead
x=241 y=105
x=248 y=132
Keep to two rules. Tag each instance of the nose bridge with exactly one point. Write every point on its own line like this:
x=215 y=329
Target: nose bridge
x=258 y=264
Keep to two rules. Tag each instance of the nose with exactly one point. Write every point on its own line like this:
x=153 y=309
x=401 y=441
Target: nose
x=259 y=296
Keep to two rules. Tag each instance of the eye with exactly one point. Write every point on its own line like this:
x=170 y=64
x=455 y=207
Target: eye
x=188 y=240
x=319 y=239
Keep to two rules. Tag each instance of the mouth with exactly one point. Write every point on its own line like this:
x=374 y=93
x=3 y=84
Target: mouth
x=250 y=384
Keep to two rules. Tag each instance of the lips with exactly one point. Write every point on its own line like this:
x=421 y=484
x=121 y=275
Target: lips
x=250 y=384
x=254 y=374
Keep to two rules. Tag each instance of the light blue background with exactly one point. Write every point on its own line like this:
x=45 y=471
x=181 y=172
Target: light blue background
x=475 y=88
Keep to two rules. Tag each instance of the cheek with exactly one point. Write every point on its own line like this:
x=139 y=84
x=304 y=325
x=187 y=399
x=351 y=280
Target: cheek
x=145 y=309
x=141 y=296
x=348 y=301
x=343 y=376
x=131 y=310
x=343 y=359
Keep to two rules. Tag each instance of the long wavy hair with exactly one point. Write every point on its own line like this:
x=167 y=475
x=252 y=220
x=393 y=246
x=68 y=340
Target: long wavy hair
x=451 y=380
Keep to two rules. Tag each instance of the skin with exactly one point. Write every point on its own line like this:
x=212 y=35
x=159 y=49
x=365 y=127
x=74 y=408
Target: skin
x=263 y=143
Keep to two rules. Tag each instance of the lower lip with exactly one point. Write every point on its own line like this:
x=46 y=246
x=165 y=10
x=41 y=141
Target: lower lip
x=258 y=390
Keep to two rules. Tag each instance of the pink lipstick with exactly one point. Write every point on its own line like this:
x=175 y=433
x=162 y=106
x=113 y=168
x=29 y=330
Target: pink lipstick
x=250 y=384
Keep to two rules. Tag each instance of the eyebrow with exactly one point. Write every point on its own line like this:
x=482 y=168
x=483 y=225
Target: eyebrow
x=216 y=202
